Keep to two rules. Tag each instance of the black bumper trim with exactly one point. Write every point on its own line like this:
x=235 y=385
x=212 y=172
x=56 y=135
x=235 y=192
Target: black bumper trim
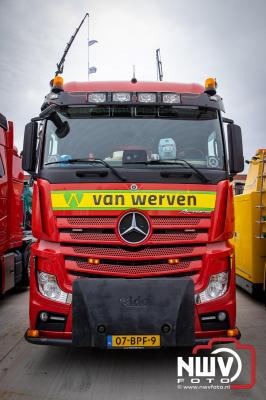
x=68 y=342
x=48 y=341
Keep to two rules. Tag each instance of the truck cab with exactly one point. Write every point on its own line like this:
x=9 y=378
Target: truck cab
x=132 y=212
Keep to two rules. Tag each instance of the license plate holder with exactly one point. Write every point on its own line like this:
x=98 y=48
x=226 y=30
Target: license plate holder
x=133 y=341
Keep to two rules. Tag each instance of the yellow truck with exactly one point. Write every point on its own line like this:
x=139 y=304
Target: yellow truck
x=250 y=228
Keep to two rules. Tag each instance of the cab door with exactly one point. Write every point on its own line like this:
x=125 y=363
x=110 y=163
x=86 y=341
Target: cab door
x=4 y=235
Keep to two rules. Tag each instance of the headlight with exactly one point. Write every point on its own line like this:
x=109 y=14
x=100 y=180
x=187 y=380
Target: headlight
x=97 y=97
x=48 y=287
x=217 y=286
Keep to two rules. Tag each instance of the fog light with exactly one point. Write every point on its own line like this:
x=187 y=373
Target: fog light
x=208 y=318
x=44 y=316
x=221 y=316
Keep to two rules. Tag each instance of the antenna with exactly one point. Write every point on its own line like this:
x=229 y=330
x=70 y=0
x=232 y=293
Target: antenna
x=134 y=79
x=60 y=65
x=159 y=65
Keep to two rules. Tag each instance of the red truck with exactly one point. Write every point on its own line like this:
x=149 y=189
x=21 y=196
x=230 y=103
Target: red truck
x=14 y=245
x=132 y=212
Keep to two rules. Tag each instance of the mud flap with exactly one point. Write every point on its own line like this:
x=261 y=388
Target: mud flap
x=114 y=306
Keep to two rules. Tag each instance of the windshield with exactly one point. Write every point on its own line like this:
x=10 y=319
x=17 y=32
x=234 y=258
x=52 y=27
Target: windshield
x=135 y=135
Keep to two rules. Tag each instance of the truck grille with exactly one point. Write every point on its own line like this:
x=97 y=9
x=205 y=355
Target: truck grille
x=87 y=237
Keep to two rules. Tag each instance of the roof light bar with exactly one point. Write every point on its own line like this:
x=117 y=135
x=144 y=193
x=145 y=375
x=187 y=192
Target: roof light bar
x=127 y=97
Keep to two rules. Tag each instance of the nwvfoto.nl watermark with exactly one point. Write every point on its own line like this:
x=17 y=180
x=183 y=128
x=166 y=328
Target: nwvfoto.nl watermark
x=222 y=369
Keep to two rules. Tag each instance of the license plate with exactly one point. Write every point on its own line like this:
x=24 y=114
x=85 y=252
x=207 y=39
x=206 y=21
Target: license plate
x=133 y=341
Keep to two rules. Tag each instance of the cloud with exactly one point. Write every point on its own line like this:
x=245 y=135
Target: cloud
x=197 y=39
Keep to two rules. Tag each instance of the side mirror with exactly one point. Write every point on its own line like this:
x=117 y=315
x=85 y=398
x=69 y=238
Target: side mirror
x=235 y=149
x=29 y=147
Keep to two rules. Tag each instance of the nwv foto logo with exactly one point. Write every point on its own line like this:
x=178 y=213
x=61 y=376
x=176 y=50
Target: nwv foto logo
x=206 y=366
x=222 y=369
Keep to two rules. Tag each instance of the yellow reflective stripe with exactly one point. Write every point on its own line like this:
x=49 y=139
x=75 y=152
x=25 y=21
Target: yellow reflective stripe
x=166 y=200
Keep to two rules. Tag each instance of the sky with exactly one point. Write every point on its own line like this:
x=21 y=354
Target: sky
x=198 y=39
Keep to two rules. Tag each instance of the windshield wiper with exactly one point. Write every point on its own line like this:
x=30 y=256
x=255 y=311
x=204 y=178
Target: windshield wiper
x=174 y=161
x=91 y=162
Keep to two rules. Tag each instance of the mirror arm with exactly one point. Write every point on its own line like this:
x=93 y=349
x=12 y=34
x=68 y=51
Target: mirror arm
x=36 y=119
x=228 y=120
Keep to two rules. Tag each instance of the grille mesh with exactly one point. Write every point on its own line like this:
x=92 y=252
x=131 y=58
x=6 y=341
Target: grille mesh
x=133 y=269
x=156 y=237
x=119 y=252
x=173 y=236
x=111 y=221
x=92 y=221
x=175 y=221
x=93 y=236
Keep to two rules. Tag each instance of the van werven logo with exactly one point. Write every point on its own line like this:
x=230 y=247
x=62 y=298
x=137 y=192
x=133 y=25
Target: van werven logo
x=194 y=201
x=73 y=199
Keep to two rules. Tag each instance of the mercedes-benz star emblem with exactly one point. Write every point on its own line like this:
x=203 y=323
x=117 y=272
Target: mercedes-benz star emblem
x=133 y=228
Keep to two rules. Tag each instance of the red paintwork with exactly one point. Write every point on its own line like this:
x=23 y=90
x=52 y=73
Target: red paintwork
x=51 y=261
x=51 y=255
x=133 y=87
x=11 y=206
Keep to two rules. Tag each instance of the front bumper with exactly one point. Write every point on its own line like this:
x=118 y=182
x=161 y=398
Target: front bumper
x=131 y=307
x=68 y=342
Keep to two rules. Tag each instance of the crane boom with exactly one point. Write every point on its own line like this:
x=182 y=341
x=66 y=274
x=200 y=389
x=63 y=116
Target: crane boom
x=60 y=65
